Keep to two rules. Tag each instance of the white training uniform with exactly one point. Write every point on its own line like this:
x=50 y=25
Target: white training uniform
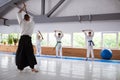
x=58 y=46
x=38 y=45
x=27 y=27
x=89 y=46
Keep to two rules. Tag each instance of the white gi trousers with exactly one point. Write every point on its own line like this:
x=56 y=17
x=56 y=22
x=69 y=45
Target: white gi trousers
x=38 y=51
x=59 y=50
x=90 y=51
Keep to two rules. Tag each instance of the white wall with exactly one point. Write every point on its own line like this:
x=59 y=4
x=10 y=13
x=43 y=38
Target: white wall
x=97 y=26
x=69 y=27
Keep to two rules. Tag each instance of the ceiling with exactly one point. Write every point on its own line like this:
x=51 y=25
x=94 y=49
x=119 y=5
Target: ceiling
x=66 y=10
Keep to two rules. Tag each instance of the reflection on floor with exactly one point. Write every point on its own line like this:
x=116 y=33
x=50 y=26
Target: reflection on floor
x=59 y=69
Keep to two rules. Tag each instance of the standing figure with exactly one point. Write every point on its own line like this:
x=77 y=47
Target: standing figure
x=25 y=53
x=38 y=43
x=58 y=46
x=89 y=36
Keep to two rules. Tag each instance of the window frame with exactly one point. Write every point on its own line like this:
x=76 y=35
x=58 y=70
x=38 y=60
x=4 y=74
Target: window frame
x=116 y=39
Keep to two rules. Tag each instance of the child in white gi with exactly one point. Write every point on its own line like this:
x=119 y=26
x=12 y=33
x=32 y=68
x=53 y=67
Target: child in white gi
x=38 y=43
x=89 y=36
x=58 y=46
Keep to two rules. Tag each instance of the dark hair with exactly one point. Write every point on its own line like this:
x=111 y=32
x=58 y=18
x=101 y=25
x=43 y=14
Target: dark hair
x=26 y=16
x=89 y=32
x=59 y=34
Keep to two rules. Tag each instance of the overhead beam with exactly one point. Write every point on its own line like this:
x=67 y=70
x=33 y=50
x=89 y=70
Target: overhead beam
x=44 y=19
x=7 y=7
x=112 y=16
x=94 y=17
x=6 y=11
x=4 y=21
x=3 y=2
x=42 y=7
x=80 y=18
x=54 y=8
x=16 y=5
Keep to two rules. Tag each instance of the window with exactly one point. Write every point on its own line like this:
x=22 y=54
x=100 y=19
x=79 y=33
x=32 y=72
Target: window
x=52 y=40
x=4 y=38
x=66 y=40
x=15 y=35
x=34 y=39
x=106 y=39
x=97 y=39
x=44 y=42
x=119 y=40
x=0 y=38
x=78 y=40
x=110 y=40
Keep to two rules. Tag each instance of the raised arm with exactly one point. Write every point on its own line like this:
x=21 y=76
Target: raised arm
x=84 y=32
x=19 y=14
x=55 y=33
x=40 y=34
x=61 y=33
x=25 y=8
x=88 y=30
x=92 y=32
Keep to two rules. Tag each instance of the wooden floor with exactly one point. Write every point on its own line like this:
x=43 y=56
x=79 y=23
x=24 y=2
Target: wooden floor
x=59 y=69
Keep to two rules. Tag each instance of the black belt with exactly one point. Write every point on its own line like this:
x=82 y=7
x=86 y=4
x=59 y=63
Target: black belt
x=57 y=43
x=91 y=43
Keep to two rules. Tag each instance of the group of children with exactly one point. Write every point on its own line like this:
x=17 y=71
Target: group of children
x=59 y=34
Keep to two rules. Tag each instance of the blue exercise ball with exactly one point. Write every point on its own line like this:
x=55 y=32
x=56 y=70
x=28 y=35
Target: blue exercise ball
x=106 y=54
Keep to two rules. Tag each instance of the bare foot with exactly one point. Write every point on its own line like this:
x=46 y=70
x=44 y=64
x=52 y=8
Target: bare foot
x=86 y=59
x=34 y=70
x=20 y=70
